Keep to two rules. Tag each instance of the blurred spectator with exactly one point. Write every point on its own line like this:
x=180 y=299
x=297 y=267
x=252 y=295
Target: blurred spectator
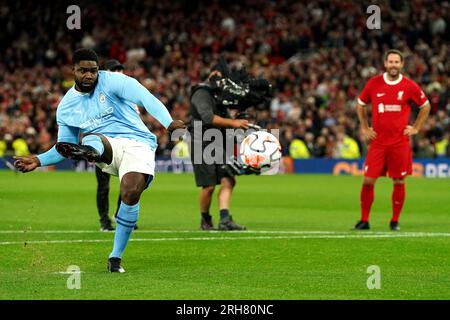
x=346 y=147
x=442 y=146
x=298 y=149
x=281 y=107
x=3 y=147
x=320 y=147
x=181 y=150
x=424 y=149
x=309 y=142
x=11 y=146
x=20 y=147
x=31 y=141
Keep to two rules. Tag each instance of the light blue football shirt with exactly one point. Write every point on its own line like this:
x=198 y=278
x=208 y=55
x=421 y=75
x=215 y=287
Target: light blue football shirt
x=107 y=110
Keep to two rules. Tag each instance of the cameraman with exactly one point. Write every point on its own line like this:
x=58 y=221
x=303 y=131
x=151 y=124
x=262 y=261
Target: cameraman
x=206 y=108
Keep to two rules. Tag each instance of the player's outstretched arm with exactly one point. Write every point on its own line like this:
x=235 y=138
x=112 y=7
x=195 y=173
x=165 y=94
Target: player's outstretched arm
x=30 y=163
x=130 y=89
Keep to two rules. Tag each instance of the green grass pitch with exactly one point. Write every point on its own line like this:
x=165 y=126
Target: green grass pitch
x=298 y=246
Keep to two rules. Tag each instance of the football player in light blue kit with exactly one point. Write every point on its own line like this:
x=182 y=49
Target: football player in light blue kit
x=114 y=136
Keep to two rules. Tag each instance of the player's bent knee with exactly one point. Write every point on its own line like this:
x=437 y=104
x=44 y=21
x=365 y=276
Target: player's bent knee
x=107 y=149
x=132 y=186
x=228 y=183
x=93 y=141
x=130 y=196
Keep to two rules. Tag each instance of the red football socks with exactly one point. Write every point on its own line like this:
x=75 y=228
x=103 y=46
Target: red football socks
x=398 y=198
x=367 y=196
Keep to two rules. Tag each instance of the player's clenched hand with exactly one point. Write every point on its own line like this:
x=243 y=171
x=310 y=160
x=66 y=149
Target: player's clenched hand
x=176 y=124
x=410 y=131
x=369 y=133
x=26 y=164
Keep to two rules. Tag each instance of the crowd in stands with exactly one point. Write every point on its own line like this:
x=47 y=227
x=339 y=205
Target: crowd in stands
x=316 y=54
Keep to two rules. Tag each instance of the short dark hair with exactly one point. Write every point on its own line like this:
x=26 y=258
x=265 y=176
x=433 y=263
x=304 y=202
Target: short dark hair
x=393 y=51
x=84 y=54
x=113 y=65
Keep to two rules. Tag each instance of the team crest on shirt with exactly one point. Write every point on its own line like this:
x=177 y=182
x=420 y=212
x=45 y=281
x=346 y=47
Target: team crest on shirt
x=102 y=98
x=400 y=95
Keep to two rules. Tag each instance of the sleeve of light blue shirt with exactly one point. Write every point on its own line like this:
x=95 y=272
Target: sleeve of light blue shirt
x=130 y=89
x=65 y=134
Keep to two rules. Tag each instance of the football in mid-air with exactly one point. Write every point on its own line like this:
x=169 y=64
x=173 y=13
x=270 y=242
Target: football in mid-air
x=260 y=150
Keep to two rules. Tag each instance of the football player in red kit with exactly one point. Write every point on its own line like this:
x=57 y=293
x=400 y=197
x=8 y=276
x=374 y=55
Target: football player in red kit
x=390 y=95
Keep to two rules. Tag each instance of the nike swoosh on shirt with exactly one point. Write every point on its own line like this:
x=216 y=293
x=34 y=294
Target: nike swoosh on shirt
x=380 y=94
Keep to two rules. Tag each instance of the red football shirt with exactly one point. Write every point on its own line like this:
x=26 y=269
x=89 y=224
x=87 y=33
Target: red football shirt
x=391 y=106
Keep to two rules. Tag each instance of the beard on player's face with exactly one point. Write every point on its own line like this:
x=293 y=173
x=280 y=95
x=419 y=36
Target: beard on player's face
x=393 y=71
x=86 y=85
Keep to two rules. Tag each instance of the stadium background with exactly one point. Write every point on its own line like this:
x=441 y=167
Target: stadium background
x=317 y=56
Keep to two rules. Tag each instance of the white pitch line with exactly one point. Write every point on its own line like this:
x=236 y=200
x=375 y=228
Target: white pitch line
x=342 y=236
x=165 y=231
x=215 y=232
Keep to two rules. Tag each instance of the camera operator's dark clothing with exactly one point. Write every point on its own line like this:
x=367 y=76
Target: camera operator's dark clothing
x=103 y=196
x=203 y=108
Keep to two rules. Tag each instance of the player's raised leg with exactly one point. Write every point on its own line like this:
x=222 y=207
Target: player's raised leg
x=93 y=148
x=131 y=187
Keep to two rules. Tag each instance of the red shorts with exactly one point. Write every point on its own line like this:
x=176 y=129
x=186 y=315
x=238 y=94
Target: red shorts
x=394 y=161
